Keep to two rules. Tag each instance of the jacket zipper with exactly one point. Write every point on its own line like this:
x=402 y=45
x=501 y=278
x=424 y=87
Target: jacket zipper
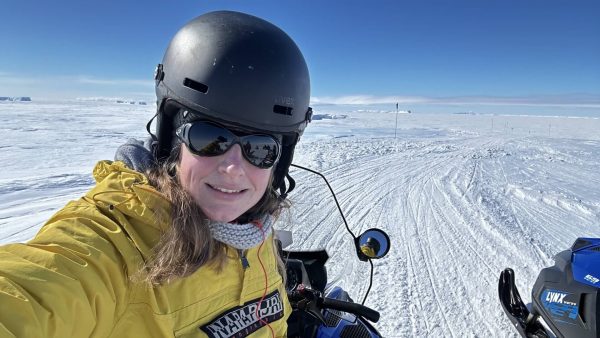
x=245 y=266
x=243 y=259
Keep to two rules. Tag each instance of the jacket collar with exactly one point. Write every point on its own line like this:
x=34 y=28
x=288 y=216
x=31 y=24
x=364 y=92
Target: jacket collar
x=128 y=191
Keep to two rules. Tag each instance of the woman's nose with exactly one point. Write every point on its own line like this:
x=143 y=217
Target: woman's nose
x=232 y=161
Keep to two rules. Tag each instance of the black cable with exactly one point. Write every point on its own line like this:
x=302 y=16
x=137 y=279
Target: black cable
x=370 y=283
x=345 y=223
x=334 y=198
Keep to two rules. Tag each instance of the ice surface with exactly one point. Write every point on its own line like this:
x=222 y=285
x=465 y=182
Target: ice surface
x=463 y=196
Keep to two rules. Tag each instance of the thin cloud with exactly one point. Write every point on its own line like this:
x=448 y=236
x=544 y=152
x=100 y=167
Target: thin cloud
x=366 y=99
x=8 y=78
x=70 y=86
x=567 y=100
x=114 y=82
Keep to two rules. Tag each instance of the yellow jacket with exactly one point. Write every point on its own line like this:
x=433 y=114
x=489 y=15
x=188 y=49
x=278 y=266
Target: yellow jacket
x=74 y=278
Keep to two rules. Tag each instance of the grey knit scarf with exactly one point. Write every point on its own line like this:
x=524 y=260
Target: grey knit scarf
x=241 y=236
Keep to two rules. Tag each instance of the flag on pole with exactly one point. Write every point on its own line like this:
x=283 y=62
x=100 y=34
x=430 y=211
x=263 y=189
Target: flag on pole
x=396 y=128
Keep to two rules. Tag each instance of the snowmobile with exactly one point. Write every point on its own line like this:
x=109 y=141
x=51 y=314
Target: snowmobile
x=318 y=309
x=564 y=297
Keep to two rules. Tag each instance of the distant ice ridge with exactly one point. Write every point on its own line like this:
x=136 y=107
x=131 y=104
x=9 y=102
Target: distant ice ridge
x=15 y=98
x=112 y=100
x=328 y=117
x=143 y=103
x=383 y=111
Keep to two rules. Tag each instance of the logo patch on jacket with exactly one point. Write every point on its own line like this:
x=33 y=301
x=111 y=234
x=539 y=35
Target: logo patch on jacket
x=242 y=320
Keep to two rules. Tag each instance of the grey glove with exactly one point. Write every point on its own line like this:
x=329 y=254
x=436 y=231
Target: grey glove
x=136 y=154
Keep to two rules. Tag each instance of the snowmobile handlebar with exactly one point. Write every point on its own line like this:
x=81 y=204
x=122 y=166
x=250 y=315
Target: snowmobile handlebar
x=354 y=308
x=313 y=301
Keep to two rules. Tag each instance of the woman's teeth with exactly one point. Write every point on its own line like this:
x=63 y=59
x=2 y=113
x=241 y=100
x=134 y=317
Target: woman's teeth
x=227 y=190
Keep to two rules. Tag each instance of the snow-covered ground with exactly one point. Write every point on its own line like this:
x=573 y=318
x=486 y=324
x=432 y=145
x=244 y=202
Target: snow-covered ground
x=462 y=196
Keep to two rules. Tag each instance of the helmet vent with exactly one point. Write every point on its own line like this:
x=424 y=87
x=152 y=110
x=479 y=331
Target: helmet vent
x=283 y=110
x=195 y=85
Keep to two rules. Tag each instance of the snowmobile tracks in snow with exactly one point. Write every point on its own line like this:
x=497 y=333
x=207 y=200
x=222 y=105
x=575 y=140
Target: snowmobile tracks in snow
x=452 y=220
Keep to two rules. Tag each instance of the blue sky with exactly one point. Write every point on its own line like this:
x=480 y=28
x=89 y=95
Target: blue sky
x=498 y=52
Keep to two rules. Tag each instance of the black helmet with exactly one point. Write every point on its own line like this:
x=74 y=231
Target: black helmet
x=373 y=244
x=238 y=70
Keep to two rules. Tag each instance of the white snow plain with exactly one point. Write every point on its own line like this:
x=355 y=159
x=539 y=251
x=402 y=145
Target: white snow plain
x=462 y=196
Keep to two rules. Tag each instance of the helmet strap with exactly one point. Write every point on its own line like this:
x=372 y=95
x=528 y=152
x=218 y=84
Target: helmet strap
x=283 y=192
x=149 y=124
x=164 y=129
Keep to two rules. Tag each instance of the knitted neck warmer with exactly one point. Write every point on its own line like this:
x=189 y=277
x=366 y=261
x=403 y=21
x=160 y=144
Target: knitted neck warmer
x=242 y=236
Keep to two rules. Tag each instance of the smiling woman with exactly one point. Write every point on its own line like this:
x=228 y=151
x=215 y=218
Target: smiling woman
x=180 y=243
x=223 y=186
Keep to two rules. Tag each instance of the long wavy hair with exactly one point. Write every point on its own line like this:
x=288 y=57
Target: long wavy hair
x=187 y=244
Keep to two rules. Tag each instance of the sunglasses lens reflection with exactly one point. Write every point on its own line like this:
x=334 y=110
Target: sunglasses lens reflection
x=207 y=139
x=210 y=140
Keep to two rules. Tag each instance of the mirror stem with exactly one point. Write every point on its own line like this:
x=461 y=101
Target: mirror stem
x=370 y=283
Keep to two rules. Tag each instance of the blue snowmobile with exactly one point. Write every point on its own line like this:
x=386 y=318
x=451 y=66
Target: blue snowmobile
x=564 y=297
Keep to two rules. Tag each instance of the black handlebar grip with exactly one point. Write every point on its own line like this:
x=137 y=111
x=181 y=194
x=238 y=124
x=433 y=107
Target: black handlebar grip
x=354 y=308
